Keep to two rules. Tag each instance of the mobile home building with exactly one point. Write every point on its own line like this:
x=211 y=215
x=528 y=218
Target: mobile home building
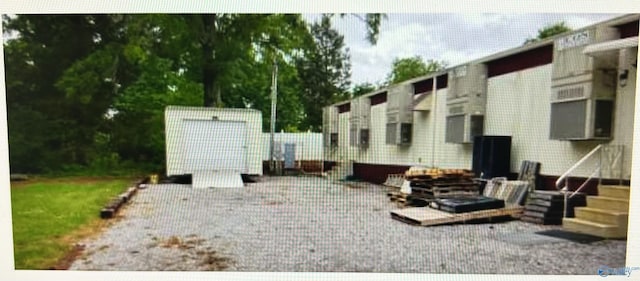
x=557 y=99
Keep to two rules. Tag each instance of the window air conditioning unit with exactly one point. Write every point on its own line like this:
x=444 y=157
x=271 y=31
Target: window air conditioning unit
x=330 y=126
x=582 y=87
x=466 y=103
x=399 y=114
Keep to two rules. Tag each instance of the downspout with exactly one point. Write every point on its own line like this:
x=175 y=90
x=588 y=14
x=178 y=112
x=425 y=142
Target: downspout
x=435 y=109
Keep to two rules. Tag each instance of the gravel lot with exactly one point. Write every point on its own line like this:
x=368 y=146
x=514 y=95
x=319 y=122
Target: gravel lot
x=308 y=224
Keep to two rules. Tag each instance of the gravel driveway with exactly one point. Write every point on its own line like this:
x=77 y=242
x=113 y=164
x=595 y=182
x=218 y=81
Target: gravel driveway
x=308 y=224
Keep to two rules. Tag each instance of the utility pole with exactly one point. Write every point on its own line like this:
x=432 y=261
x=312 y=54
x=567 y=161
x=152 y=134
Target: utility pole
x=274 y=99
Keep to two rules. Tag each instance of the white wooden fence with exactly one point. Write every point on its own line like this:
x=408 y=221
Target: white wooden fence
x=308 y=145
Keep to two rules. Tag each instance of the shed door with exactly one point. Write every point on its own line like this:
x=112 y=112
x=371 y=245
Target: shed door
x=214 y=145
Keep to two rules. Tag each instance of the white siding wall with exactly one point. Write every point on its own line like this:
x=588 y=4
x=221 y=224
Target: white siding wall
x=420 y=150
x=518 y=105
x=308 y=145
x=449 y=155
x=625 y=108
x=345 y=151
x=173 y=133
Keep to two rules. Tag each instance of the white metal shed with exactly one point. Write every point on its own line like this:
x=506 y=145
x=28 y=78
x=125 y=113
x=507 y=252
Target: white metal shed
x=202 y=140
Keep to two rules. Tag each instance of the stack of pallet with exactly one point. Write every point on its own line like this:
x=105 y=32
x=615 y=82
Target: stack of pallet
x=407 y=200
x=394 y=180
x=467 y=209
x=547 y=207
x=441 y=183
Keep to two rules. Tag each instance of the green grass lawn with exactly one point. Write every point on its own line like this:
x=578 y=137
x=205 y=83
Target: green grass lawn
x=49 y=215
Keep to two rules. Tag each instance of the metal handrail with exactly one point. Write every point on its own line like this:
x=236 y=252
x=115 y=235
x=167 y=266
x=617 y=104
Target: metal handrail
x=617 y=160
x=585 y=182
x=576 y=165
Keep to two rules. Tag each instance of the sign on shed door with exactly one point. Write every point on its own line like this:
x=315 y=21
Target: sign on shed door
x=214 y=145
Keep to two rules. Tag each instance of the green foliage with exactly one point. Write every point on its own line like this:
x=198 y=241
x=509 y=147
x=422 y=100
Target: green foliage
x=549 y=31
x=246 y=81
x=86 y=93
x=372 y=23
x=46 y=213
x=143 y=104
x=407 y=68
x=362 y=89
x=46 y=48
x=324 y=72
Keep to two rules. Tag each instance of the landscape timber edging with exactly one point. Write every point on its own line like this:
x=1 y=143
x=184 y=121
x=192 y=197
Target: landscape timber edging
x=111 y=208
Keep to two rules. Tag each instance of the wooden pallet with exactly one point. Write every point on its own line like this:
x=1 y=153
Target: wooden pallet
x=395 y=195
x=443 y=184
x=425 y=216
x=445 y=188
x=512 y=192
x=438 y=173
x=394 y=180
x=530 y=172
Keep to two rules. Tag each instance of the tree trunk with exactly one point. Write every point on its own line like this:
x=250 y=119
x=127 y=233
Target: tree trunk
x=209 y=73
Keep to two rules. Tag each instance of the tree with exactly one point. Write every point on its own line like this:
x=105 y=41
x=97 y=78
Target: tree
x=372 y=23
x=549 y=31
x=90 y=90
x=407 y=68
x=362 y=89
x=324 y=71
x=46 y=48
x=221 y=35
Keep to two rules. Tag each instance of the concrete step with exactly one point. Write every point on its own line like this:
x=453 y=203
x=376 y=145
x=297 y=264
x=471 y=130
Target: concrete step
x=215 y=179
x=608 y=203
x=619 y=219
x=614 y=191
x=593 y=228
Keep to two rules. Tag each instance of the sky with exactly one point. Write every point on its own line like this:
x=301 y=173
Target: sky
x=451 y=37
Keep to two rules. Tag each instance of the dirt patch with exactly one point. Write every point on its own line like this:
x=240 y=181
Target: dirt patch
x=210 y=260
x=65 y=262
x=214 y=262
x=88 y=231
x=171 y=242
x=177 y=242
x=274 y=203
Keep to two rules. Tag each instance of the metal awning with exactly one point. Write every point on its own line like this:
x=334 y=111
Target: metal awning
x=608 y=46
x=422 y=102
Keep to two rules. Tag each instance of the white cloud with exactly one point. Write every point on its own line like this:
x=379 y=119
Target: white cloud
x=455 y=38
